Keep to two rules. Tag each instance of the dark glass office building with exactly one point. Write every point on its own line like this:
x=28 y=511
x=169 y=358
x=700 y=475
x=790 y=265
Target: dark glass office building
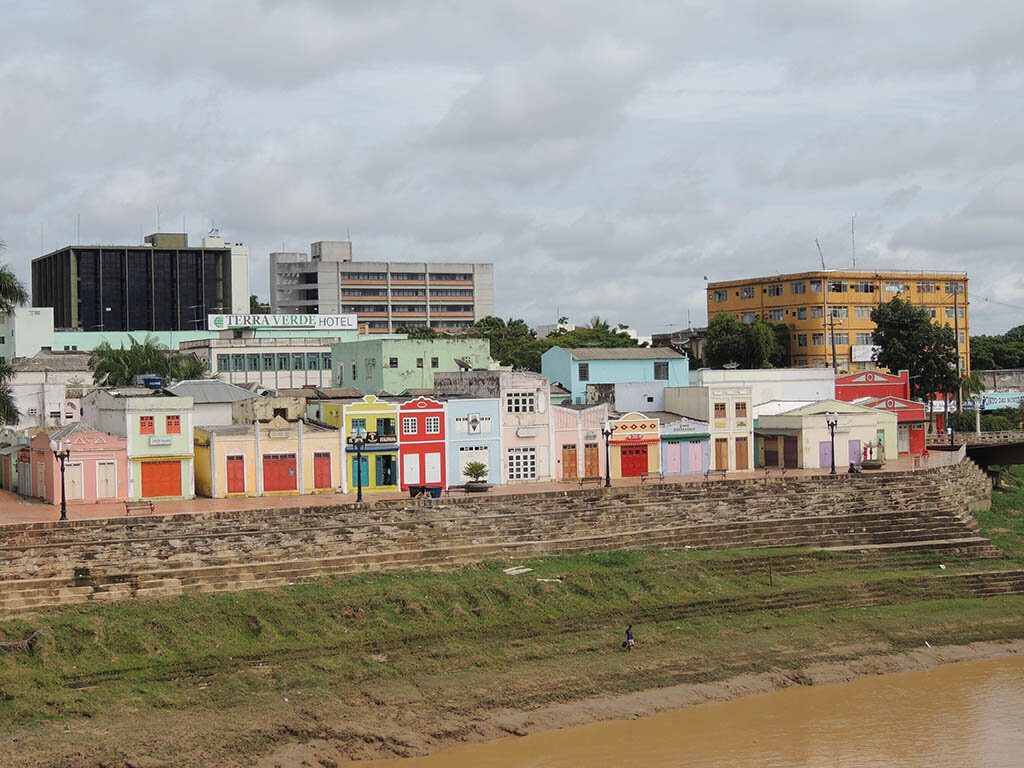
x=163 y=285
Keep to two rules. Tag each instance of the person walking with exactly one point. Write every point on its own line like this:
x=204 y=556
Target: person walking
x=630 y=642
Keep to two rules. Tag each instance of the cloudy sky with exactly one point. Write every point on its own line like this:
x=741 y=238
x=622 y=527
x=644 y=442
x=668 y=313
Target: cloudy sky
x=605 y=155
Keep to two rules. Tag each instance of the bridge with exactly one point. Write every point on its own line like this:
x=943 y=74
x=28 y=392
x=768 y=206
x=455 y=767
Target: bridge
x=986 y=448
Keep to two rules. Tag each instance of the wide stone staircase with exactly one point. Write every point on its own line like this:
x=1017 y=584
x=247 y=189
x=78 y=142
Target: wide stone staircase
x=46 y=564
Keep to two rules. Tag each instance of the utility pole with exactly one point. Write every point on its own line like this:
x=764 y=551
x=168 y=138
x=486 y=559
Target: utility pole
x=956 y=333
x=828 y=324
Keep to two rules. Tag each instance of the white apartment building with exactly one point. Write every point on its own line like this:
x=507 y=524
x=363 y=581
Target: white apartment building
x=386 y=296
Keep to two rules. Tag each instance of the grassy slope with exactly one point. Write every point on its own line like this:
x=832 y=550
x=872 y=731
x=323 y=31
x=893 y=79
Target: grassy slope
x=475 y=639
x=1004 y=522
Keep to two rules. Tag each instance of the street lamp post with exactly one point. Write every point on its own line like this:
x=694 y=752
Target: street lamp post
x=63 y=456
x=359 y=440
x=606 y=430
x=832 y=420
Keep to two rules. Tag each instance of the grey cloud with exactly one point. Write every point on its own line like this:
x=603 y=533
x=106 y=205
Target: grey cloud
x=992 y=219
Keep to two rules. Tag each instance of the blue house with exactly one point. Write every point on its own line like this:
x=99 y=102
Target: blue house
x=474 y=434
x=574 y=369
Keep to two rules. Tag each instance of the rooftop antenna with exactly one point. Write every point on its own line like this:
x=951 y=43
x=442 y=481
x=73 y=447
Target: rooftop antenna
x=348 y=233
x=853 y=239
x=79 y=227
x=820 y=253
x=158 y=218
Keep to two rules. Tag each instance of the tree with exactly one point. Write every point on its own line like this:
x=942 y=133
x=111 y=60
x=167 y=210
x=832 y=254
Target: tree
x=908 y=340
x=512 y=343
x=119 y=366
x=990 y=353
x=475 y=471
x=257 y=307
x=419 y=332
x=12 y=296
x=748 y=345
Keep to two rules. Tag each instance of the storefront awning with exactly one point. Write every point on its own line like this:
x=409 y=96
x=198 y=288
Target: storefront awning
x=774 y=432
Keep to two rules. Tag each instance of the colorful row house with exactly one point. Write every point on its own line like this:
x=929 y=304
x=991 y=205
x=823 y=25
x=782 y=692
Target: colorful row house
x=525 y=423
x=373 y=466
x=275 y=458
x=635 y=445
x=577 y=440
x=728 y=412
x=474 y=435
x=158 y=429
x=96 y=471
x=422 y=443
x=685 y=445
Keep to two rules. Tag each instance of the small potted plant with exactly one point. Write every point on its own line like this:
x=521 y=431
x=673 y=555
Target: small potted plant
x=476 y=471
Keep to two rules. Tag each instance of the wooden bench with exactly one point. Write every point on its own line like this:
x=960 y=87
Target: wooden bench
x=709 y=472
x=454 y=489
x=645 y=476
x=138 y=506
x=591 y=480
x=777 y=470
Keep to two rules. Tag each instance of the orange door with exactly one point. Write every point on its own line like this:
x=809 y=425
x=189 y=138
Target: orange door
x=741 y=453
x=321 y=470
x=568 y=462
x=721 y=453
x=591 y=463
x=236 y=474
x=161 y=478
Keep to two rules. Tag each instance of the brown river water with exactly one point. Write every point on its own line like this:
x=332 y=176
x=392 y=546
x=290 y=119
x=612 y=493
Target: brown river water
x=953 y=716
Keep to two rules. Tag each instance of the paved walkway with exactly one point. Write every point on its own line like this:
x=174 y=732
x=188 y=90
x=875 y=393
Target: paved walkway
x=18 y=509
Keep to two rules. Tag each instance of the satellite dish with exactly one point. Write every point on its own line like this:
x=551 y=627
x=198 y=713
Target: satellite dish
x=463 y=364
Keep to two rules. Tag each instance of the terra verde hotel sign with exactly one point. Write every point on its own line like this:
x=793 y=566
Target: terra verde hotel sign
x=284 y=322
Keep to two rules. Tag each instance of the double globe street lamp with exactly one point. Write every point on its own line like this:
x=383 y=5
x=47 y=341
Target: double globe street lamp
x=607 y=430
x=63 y=455
x=832 y=421
x=358 y=441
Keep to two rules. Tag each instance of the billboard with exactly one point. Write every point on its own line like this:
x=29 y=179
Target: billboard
x=284 y=322
x=863 y=353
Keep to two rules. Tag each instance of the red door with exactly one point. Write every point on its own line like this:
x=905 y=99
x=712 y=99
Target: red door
x=634 y=461
x=321 y=470
x=161 y=478
x=279 y=473
x=236 y=474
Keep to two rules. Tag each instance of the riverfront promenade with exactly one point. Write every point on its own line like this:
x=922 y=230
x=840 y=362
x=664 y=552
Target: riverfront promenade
x=19 y=509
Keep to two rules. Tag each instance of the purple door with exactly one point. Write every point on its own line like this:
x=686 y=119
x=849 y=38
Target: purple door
x=855 y=454
x=674 y=458
x=696 y=464
x=825 y=454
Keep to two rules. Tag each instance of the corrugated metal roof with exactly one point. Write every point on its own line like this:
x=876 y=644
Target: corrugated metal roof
x=210 y=391
x=625 y=353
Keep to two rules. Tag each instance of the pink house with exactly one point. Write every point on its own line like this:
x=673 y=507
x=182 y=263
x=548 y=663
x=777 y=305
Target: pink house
x=95 y=472
x=578 y=446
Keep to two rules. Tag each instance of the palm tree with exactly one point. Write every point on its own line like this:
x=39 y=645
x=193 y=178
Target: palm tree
x=12 y=295
x=118 y=367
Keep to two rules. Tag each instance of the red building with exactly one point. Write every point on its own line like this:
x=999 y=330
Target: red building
x=421 y=443
x=854 y=386
x=887 y=392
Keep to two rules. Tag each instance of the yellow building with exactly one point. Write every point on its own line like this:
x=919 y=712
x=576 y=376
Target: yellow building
x=377 y=421
x=801 y=302
x=278 y=458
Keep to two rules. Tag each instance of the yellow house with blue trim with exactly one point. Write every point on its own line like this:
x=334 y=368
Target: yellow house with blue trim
x=377 y=466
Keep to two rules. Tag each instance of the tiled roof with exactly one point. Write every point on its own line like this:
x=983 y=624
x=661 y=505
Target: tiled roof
x=625 y=353
x=210 y=391
x=54 y=361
